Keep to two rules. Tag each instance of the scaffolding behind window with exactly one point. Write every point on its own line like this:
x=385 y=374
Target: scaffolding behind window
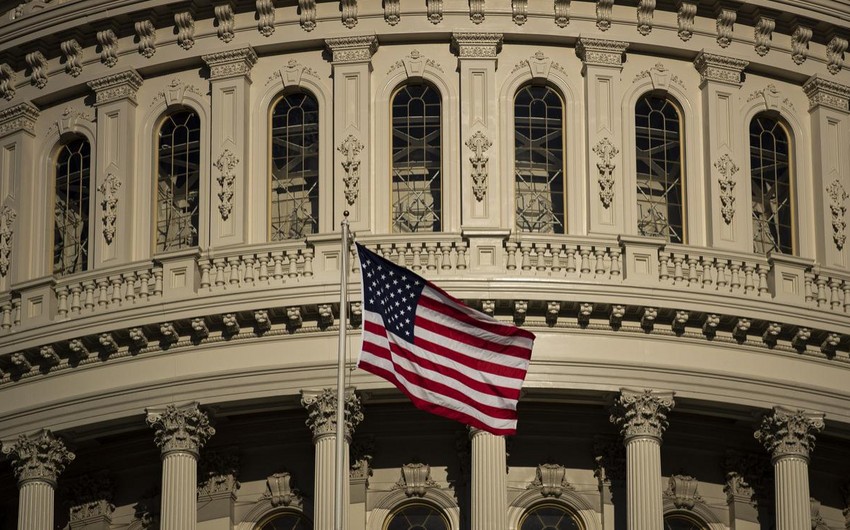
x=295 y=167
x=658 y=148
x=71 y=208
x=771 y=186
x=416 y=159
x=178 y=181
x=539 y=160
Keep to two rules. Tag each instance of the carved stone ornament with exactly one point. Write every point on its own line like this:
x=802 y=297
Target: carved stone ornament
x=184 y=22
x=763 y=35
x=610 y=458
x=601 y=52
x=21 y=117
x=231 y=63
x=7 y=233
x=415 y=479
x=551 y=480
x=685 y=20
x=281 y=490
x=37 y=64
x=603 y=14
x=478 y=143
x=291 y=74
x=800 y=44
x=725 y=22
x=224 y=17
x=361 y=458
x=682 y=489
x=109 y=206
x=827 y=93
x=562 y=13
x=837 y=205
x=7 y=82
x=307 y=17
x=108 y=41
x=183 y=429
x=40 y=457
x=350 y=150
x=476 y=45
x=727 y=169
x=476 y=11
x=434 y=10
x=265 y=17
x=321 y=412
x=123 y=85
x=789 y=433
x=414 y=64
x=348 y=13
x=519 y=11
x=352 y=49
x=645 y=11
x=538 y=65
x=90 y=498
x=146 y=34
x=719 y=68
x=72 y=53
x=226 y=164
x=835 y=54
x=642 y=413
x=217 y=473
x=660 y=76
x=606 y=151
x=392 y=11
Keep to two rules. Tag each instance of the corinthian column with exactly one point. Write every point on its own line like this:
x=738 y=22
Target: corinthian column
x=789 y=437
x=321 y=418
x=642 y=418
x=489 y=488
x=180 y=432
x=37 y=462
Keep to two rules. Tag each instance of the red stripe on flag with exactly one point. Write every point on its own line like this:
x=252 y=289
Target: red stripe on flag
x=460 y=335
x=464 y=313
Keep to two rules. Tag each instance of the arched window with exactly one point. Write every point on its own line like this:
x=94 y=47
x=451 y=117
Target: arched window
x=71 y=207
x=549 y=517
x=286 y=521
x=178 y=181
x=417 y=202
x=773 y=203
x=539 y=160
x=678 y=521
x=417 y=516
x=295 y=167
x=660 y=187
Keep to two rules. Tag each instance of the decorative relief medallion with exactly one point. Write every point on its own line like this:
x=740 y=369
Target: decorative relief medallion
x=185 y=24
x=603 y=14
x=349 y=13
x=800 y=44
x=642 y=413
x=175 y=93
x=727 y=169
x=7 y=233
x=40 y=457
x=606 y=151
x=184 y=429
x=265 y=17
x=7 y=82
x=434 y=10
x=281 y=490
x=307 y=17
x=763 y=35
x=787 y=432
x=835 y=54
x=725 y=23
x=108 y=42
x=350 y=150
x=682 y=489
x=146 y=34
x=224 y=18
x=226 y=164
x=478 y=143
x=72 y=53
x=392 y=11
x=645 y=11
x=38 y=66
x=109 y=206
x=685 y=20
x=838 y=208
x=562 y=13
x=321 y=412
x=551 y=480
x=770 y=95
x=538 y=65
x=415 y=479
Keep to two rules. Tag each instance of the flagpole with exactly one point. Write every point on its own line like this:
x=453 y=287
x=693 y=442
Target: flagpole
x=339 y=473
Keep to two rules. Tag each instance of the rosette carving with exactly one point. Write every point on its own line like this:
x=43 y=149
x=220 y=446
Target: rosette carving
x=184 y=429
x=787 y=432
x=642 y=413
x=321 y=412
x=40 y=457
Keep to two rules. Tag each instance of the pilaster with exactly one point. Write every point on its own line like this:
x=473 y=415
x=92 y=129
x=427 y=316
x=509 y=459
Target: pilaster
x=829 y=108
x=114 y=170
x=603 y=65
x=489 y=481
x=479 y=116
x=351 y=60
x=230 y=82
x=729 y=217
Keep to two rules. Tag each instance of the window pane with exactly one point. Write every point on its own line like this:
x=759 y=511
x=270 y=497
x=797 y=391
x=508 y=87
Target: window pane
x=771 y=185
x=295 y=167
x=416 y=160
x=539 y=163
x=549 y=517
x=287 y=521
x=659 y=169
x=680 y=522
x=418 y=517
x=179 y=161
x=71 y=208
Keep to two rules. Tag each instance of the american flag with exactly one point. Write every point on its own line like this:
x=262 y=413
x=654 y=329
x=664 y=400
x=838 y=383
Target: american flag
x=449 y=359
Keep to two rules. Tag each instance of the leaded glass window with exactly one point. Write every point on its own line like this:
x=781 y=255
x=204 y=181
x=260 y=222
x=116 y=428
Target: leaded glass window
x=287 y=521
x=549 y=517
x=295 y=167
x=417 y=517
x=539 y=163
x=71 y=208
x=417 y=204
x=773 y=207
x=681 y=522
x=658 y=148
x=178 y=181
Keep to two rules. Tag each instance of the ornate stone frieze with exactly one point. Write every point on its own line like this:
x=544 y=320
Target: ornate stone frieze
x=184 y=23
x=763 y=35
x=682 y=490
x=645 y=11
x=21 y=117
x=601 y=52
x=551 y=480
x=218 y=473
x=827 y=93
x=38 y=66
x=109 y=206
x=90 y=498
x=786 y=432
x=476 y=11
x=348 y=13
x=603 y=14
x=415 y=479
x=685 y=20
x=606 y=151
x=108 y=42
x=720 y=68
x=562 y=13
x=183 y=429
x=307 y=14
x=146 y=34
x=265 y=17
x=478 y=144
x=727 y=169
x=642 y=413
x=800 y=44
x=725 y=23
x=281 y=490
x=39 y=457
x=350 y=150
x=392 y=12
x=231 y=63
x=321 y=412
x=114 y=87
x=352 y=49
x=226 y=165
x=7 y=82
x=837 y=206
x=225 y=20
x=519 y=11
x=476 y=45
x=835 y=54
x=72 y=53
x=361 y=458
x=7 y=234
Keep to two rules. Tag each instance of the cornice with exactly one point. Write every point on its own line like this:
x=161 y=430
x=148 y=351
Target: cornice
x=115 y=87
x=601 y=52
x=21 y=117
x=476 y=45
x=231 y=63
x=823 y=92
x=357 y=49
x=719 y=68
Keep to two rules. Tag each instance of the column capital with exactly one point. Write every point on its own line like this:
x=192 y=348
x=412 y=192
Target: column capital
x=231 y=63
x=642 y=413
x=21 y=117
x=321 y=412
x=719 y=68
x=357 y=49
x=601 y=52
x=40 y=457
x=115 y=87
x=91 y=499
x=787 y=432
x=471 y=45
x=180 y=429
x=827 y=93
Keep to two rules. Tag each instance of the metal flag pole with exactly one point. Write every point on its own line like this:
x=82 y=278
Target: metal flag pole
x=339 y=473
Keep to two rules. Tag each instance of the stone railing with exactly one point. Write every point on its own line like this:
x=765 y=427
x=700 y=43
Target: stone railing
x=744 y=276
x=256 y=266
x=108 y=290
x=422 y=254
x=568 y=257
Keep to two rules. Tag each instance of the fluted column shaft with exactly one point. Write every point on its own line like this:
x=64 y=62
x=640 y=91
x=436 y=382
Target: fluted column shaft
x=643 y=484
x=35 y=505
x=324 y=481
x=793 y=509
x=489 y=487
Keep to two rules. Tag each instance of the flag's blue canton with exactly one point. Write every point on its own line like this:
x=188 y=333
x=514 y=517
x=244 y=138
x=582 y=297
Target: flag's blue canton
x=392 y=292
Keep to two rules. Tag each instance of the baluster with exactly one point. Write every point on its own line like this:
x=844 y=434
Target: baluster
x=353 y=259
x=678 y=274
x=707 y=273
x=845 y=285
x=296 y=263
x=417 y=257
x=62 y=301
x=6 y=321
x=542 y=256
x=722 y=280
x=584 y=264
x=308 y=262
x=736 y=276
x=233 y=264
x=16 y=312
x=525 y=249
x=693 y=279
x=250 y=264
x=749 y=286
x=461 y=256
x=394 y=255
x=117 y=283
x=821 y=283
x=76 y=303
x=809 y=286
x=556 y=253
x=144 y=283
x=277 y=272
x=89 y=286
x=204 y=265
x=402 y=255
x=218 y=265
x=446 y=263
x=157 y=281
x=264 y=267
x=663 y=269
x=130 y=287
x=511 y=248
x=834 y=297
x=432 y=256
x=103 y=292
x=599 y=268
x=380 y=251
x=616 y=267
x=762 y=279
x=571 y=259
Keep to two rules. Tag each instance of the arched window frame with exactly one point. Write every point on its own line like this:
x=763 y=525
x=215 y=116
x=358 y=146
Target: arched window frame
x=416 y=502
x=570 y=500
x=397 y=499
x=66 y=140
x=688 y=517
x=700 y=512
x=552 y=503
x=271 y=516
